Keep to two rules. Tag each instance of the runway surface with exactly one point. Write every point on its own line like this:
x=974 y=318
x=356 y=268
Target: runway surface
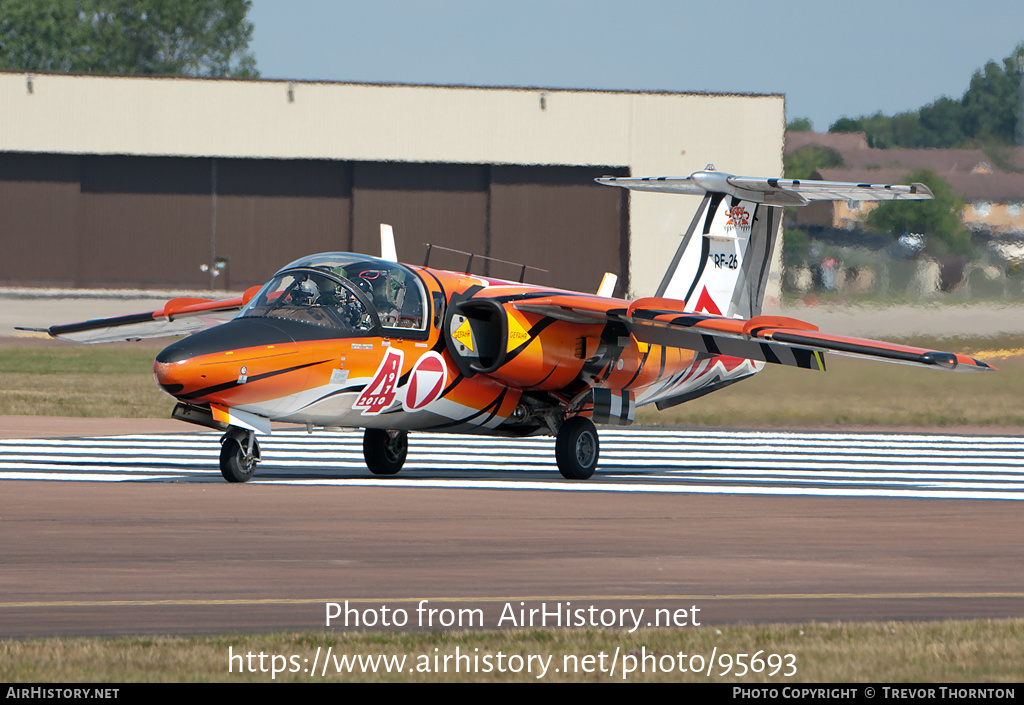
x=139 y=534
x=731 y=462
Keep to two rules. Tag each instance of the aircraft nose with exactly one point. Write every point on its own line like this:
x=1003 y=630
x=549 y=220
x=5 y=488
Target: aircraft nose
x=171 y=376
x=180 y=368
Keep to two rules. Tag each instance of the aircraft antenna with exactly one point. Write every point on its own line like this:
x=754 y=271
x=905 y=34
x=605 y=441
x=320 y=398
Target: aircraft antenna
x=469 y=262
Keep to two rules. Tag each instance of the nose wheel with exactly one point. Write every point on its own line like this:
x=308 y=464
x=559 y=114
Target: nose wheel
x=577 y=448
x=385 y=451
x=239 y=455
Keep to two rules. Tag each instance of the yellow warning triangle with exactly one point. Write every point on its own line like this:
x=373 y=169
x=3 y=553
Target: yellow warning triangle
x=464 y=334
x=517 y=335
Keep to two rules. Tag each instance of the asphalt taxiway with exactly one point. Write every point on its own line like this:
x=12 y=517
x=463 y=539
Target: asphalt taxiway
x=183 y=556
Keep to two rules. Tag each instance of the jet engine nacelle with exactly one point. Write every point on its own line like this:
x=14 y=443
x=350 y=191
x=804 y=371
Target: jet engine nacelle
x=521 y=349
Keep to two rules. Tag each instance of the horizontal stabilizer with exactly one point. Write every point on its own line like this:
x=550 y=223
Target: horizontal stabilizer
x=770 y=191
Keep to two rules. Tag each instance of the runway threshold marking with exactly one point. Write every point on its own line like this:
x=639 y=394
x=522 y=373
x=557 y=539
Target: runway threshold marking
x=530 y=598
x=870 y=465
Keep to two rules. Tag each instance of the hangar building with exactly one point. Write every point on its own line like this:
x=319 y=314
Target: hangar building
x=147 y=182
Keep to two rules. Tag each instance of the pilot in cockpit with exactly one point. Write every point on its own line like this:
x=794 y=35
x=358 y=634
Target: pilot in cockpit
x=384 y=292
x=307 y=292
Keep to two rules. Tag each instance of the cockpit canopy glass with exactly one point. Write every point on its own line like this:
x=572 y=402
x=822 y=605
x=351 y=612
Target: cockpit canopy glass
x=353 y=293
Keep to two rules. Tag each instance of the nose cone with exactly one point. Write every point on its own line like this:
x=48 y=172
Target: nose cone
x=191 y=366
x=171 y=377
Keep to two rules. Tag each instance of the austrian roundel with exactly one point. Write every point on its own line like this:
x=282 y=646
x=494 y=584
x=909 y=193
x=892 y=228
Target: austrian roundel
x=426 y=381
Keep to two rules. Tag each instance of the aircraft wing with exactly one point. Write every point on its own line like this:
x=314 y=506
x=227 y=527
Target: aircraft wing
x=774 y=339
x=178 y=317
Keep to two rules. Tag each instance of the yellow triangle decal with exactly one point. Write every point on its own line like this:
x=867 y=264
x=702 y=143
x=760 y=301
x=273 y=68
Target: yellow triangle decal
x=464 y=334
x=517 y=335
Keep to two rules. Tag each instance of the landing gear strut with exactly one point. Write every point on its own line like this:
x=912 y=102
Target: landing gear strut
x=577 y=448
x=385 y=451
x=239 y=454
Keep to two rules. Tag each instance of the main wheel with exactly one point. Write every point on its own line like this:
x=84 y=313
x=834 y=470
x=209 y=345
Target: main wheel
x=385 y=451
x=235 y=464
x=577 y=448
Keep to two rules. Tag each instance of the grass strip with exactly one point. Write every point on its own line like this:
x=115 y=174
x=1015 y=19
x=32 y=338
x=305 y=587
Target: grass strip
x=941 y=652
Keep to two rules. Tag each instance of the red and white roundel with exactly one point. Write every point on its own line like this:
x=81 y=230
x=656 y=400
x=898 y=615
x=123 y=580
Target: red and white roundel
x=426 y=382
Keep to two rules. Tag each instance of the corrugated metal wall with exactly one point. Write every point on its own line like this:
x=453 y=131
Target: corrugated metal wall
x=143 y=221
x=120 y=221
x=272 y=212
x=443 y=204
x=39 y=196
x=559 y=219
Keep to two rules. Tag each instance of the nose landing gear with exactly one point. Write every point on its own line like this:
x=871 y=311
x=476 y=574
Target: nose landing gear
x=239 y=454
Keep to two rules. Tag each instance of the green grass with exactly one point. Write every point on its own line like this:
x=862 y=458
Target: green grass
x=862 y=392
x=893 y=652
x=52 y=379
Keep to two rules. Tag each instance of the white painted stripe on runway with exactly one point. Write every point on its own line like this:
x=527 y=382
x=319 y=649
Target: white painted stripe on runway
x=771 y=465
x=484 y=445
x=83 y=477
x=741 y=462
x=488 y=445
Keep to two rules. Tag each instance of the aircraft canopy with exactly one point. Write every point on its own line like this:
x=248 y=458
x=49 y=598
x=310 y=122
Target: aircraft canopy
x=353 y=293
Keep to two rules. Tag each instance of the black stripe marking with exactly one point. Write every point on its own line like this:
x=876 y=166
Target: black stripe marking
x=534 y=330
x=639 y=369
x=769 y=354
x=493 y=407
x=255 y=378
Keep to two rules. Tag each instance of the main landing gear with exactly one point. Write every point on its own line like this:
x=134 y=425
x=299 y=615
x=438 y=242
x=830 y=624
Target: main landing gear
x=385 y=451
x=576 y=451
x=577 y=448
x=239 y=454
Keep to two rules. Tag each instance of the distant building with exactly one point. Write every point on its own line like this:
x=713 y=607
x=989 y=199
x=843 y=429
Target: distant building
x=995 y=198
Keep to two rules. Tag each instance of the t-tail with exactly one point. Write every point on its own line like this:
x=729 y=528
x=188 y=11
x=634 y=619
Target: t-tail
x=721 y=266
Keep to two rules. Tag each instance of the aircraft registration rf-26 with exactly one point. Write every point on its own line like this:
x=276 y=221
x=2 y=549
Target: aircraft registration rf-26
x=342 y=340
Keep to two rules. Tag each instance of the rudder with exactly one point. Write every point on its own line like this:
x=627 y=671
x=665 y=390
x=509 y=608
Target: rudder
x=722 y=264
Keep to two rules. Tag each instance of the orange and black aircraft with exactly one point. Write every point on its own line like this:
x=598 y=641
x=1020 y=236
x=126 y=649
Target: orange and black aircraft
x=342 y=340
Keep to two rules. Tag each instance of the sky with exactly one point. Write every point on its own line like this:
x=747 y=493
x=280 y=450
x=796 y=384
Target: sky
x=830 y=59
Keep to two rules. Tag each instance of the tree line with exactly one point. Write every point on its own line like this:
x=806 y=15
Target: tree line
x=986 y=114
x=128 y=37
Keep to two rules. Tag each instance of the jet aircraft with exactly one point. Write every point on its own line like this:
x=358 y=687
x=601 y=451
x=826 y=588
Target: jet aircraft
x=344 y=340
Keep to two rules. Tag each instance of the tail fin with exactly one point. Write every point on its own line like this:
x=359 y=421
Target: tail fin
x=723 y=267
